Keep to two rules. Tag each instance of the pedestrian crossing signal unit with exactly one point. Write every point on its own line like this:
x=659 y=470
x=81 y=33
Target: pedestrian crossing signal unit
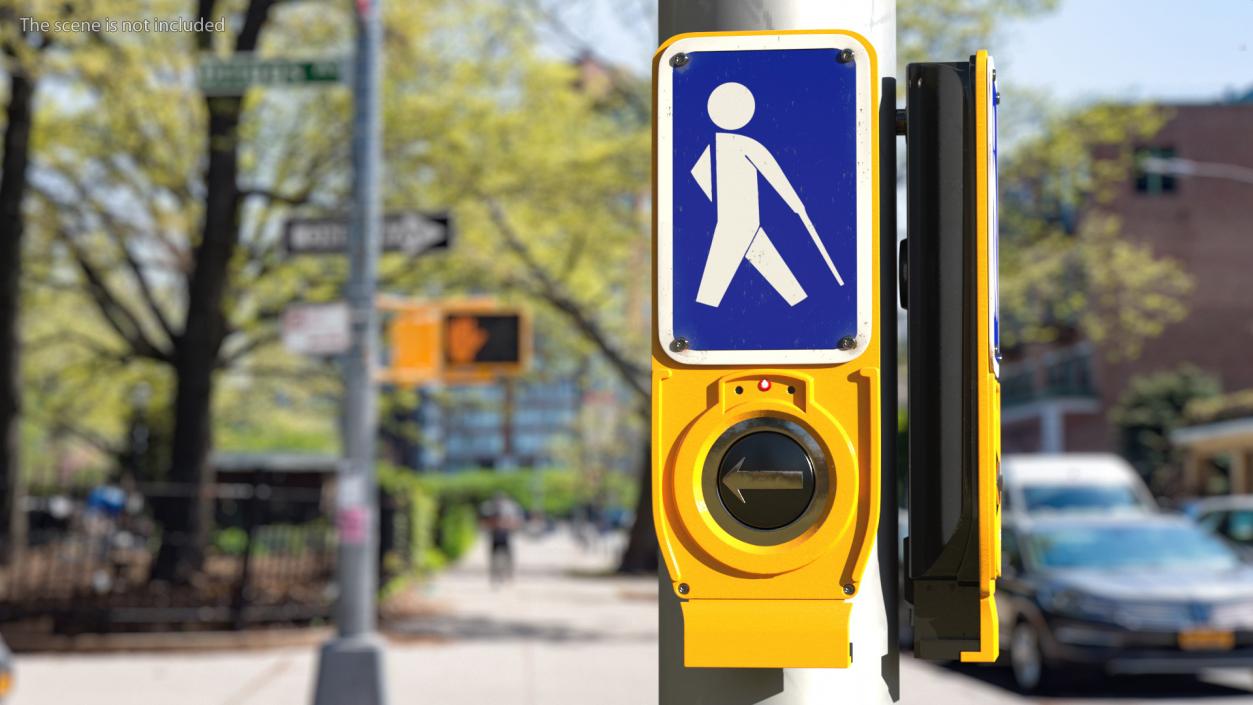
x=456 y=342
x=766 y=363
x=953 y=549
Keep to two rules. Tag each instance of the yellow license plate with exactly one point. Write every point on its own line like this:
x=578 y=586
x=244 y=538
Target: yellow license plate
x=1207 y=640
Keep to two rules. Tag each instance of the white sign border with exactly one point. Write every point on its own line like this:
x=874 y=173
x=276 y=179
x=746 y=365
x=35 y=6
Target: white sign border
x=994 y=226
x=866 y=112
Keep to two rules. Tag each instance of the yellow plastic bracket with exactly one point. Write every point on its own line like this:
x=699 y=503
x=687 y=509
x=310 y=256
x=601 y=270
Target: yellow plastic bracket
x=766 y=633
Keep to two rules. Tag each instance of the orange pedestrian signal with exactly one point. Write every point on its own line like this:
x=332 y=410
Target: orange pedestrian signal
x=456 y=342
x=484 y=343
x=465 y=339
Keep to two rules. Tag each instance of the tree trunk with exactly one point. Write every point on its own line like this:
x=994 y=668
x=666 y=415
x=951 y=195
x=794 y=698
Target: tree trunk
x=186 y=515
x=187 y=519
x=640 y=555
x=12 y=189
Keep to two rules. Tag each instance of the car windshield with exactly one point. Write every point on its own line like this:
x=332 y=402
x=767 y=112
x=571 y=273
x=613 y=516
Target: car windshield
x=1047 y=498
x=1129 y=546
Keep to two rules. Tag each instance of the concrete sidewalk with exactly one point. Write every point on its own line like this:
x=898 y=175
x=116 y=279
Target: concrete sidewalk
x=557 y=634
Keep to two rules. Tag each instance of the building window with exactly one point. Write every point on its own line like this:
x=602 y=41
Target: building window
x=1154 y=181
x=1017 y=386
x=1070 y=374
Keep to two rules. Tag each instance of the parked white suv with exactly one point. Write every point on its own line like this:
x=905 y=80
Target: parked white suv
x=1072 y=482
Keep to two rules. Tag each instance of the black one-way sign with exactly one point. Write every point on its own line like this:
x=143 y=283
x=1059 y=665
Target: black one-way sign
x=408 y=233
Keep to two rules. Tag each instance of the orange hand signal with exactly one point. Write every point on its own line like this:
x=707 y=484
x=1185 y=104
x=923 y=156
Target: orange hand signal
x=465 y=339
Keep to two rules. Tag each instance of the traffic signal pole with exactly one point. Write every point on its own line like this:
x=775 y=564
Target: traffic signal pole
x=350 y=668
x=872 y=677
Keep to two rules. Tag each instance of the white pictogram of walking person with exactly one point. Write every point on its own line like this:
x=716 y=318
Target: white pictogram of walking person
x=738 y=234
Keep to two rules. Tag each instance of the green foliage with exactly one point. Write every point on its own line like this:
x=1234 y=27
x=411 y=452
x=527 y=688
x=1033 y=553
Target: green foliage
x=1151 y=408
x=458 y=528
x=414 y=525
x=1236 y=405
x=424 y=509
x=1066 y=265
x=473 y=113
x=553 y=491
x=231 y=541
x=307 y=427
x=445 y=506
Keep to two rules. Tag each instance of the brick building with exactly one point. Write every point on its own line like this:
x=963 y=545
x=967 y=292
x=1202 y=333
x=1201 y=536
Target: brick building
x=1057 y=399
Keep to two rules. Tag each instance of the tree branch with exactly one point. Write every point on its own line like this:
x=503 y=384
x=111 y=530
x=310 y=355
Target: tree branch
x=120 y=318
x=254 y=19
x=554 y=294
x=254 y=343
x=62 y=336
x=93 y=439
x=112 y=228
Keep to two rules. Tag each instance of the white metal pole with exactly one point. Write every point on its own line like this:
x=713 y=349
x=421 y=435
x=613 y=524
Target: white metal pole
x=873 y=677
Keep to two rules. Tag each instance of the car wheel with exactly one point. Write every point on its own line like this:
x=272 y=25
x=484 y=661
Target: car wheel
x=1026 y=658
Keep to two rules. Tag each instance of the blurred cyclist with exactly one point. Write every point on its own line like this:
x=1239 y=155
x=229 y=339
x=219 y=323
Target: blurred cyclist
x=502 y=516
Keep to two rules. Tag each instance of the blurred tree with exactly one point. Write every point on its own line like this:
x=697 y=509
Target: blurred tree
x=161 y=215
x=551 y=194
x=1150 y=409
x=1065 y=265
x=18 y=49
x=139 y=189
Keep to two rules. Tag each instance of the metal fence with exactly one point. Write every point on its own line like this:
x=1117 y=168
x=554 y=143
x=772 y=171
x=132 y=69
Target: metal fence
x=271 y=560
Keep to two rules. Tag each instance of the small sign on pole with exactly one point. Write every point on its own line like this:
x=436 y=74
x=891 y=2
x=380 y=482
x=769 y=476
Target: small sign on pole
x=410 y=233
x=317 y=329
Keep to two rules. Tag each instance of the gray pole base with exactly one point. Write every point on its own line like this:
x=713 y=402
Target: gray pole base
x=350 y=672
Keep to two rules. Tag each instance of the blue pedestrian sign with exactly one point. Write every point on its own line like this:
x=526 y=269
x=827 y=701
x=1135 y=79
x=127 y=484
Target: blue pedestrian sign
x=764 y=198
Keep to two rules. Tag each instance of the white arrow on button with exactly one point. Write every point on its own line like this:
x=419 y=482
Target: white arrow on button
x=739 y=479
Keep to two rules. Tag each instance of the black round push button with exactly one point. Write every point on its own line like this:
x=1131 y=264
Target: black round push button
x=766 y=480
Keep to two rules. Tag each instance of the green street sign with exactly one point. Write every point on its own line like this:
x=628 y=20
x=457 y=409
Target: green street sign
x=231 y=76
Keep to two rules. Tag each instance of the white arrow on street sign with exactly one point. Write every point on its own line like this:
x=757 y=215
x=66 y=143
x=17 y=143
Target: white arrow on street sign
x=408 y=233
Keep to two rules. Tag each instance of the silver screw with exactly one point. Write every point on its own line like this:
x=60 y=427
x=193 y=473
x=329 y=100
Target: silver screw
x=846 y=56
x=679 y=60
x=678 y=344
x=684 y=589
x=848 y=342
x=849 y=589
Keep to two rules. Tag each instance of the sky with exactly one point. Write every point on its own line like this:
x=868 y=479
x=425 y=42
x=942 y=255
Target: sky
x=1146 y=49
x=1201 y=50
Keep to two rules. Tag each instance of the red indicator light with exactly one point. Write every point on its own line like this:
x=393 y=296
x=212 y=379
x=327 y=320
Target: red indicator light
x=764 y=385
